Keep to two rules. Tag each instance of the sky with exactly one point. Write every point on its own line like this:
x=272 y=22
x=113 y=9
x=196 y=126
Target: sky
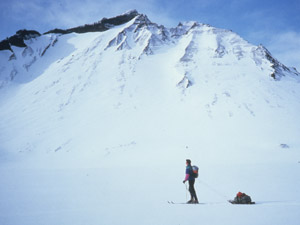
x=272 y=23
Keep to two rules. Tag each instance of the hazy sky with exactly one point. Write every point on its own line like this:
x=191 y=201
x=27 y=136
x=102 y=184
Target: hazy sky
x=273 y=23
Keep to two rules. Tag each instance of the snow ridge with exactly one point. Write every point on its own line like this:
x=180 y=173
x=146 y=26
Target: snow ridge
x=146 y=37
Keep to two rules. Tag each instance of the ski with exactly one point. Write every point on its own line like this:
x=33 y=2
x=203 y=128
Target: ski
x=184 y=203
x=200 y=203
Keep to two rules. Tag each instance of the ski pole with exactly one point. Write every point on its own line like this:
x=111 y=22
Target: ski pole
x=186 y=192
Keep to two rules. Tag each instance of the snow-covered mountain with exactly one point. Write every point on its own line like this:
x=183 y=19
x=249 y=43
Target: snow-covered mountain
x=126 y=99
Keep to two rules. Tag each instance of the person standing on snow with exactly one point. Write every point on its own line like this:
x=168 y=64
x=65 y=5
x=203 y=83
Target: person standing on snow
x=189 y=176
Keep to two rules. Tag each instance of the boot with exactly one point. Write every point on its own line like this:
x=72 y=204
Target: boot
x=190 y=201
x=196 y=201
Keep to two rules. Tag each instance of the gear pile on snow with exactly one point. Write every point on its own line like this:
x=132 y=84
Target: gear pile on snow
x=241 y=198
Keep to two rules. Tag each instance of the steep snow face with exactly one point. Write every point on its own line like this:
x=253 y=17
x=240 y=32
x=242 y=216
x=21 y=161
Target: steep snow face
x=140 y=83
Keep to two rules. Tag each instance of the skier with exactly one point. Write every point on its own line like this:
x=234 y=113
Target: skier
x=190 y=177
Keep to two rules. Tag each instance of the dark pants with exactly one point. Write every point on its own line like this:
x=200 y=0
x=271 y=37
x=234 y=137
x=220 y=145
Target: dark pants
x=192 y=190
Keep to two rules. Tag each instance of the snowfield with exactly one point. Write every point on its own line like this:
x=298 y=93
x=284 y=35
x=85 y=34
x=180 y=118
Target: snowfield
x=95 y=128
x=139 y=195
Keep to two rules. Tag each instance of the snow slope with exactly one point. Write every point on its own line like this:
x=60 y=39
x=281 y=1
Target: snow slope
x=96 y=127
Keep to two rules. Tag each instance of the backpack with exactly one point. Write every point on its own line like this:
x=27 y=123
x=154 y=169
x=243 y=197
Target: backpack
x=195 y=171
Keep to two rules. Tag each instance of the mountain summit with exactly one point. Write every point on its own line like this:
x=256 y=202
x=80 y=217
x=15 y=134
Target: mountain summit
x=128 y=70
x=159 y=36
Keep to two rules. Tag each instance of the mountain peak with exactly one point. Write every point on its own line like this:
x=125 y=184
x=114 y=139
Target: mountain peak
x=135 y=71
x=119 y=20
x=102 y=25
x=140 y=31
x=133 y=12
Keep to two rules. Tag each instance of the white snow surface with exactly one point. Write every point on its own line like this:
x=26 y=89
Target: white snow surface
x=95 y=129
